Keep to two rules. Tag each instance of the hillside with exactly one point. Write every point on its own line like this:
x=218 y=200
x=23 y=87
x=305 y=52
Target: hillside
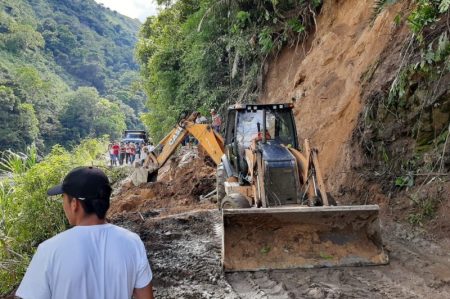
x=52 y=51
x=370 y=84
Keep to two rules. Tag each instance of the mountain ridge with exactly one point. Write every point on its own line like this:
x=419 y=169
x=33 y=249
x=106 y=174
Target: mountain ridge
x=51 y=48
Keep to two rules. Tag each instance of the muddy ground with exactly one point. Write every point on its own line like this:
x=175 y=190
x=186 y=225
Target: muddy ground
x=183 y=237
x=184 y=250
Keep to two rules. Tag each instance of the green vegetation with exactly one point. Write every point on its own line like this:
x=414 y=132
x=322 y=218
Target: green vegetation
x=66 y=74
x=28 y=215
x=411 y=121
x=53 y=51
x=425 y=210
x=199 y=54
x=92 y=114
x=426 y=13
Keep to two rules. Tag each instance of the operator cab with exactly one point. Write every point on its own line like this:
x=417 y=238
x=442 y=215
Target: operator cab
x=269 y=123
x=245 y=123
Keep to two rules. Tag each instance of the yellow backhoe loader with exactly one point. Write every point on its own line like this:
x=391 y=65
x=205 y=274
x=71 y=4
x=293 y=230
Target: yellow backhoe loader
x=276 y=211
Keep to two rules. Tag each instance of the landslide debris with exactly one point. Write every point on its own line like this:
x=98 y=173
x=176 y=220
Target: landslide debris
x=181 y=233
x=181 y=182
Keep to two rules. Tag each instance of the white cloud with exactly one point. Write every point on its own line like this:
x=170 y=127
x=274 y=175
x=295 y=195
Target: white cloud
x=136 y=9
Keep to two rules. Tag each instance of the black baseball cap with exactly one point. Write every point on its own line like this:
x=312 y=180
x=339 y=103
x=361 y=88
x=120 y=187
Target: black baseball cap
x=83 y=183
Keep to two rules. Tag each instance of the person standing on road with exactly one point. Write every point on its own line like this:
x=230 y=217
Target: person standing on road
x=111 y=154
x=144 y=155
x=216 y=120
x=132 y=152
x=127 y=152
x=116 y=151
x=138 y=150
x=123 y=150
x=93 y=259
x=150 y=147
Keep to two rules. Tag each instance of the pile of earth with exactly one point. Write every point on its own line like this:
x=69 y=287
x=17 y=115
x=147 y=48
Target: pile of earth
x=185 y=177
x=181 y=232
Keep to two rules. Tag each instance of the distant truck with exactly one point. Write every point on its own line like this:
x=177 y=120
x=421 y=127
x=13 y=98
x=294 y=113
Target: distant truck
x=135 y=136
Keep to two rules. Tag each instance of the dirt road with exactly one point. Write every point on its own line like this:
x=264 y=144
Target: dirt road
x=183 y=239
x=184 y=250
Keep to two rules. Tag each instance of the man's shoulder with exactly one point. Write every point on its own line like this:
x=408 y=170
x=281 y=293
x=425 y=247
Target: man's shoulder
x=54 y=242
x=125 y=232
x=72 y=234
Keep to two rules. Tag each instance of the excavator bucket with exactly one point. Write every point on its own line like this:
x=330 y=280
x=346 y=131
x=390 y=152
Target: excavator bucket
x=301 y=237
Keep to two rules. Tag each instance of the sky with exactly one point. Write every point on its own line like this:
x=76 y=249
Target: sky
x=136 y=9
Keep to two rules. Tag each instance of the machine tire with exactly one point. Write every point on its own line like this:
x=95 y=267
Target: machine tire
x=220 y=185
x=235 y=201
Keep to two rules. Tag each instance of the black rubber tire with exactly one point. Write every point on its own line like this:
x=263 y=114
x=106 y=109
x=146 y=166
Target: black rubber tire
x=235 y=201
x=220 y=185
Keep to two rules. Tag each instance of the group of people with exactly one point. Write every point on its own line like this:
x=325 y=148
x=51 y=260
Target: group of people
x=121 y=153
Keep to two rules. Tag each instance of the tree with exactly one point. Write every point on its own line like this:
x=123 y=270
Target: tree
x=28 y=123
x=199 y=54
x=79 y=114
x=18 y=122
x=89 y=115
x=23 y=37
x=109 y=119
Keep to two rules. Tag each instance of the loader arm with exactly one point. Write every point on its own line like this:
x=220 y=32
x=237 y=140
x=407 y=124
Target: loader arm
x=208 y=139
x=310 y=172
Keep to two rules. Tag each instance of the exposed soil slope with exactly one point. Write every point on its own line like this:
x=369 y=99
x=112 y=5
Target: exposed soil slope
x=325 y=78
x=339 y=79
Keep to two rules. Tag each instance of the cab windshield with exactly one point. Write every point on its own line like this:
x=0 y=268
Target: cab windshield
x=135 y=135
x=279 y=126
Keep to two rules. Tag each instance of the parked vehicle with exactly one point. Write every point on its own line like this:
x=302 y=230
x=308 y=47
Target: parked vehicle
x=135 y=136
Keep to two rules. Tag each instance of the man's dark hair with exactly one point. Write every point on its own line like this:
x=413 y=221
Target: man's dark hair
x=98 y=205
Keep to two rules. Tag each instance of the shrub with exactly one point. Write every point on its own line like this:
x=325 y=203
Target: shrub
x=29 y=216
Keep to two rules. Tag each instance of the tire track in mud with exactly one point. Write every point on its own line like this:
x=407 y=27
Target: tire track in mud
x=258 y=285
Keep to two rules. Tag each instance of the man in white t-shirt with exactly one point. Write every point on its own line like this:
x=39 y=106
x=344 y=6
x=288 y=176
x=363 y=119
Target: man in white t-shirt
x=94 y=259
